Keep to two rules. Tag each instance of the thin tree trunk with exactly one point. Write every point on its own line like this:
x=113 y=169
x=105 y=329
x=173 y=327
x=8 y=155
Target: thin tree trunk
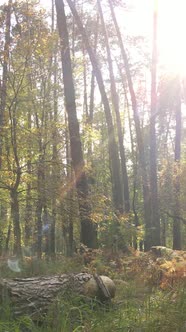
x=54 y=150
x=3 y=92
x=40 y=191
x=92 y=87
x=155 y=217
x=69 y=226
x=88 y=231
x=3 y=222
x=142 y=157
x=176 y=220
x=14 y=189
x=28 y=208
x=16 y=222
x=7 y=242
x=115 y=102
x=39 y=206
x=113 y=149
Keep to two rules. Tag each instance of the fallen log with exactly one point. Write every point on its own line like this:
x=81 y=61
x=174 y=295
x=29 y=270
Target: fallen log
x=32 y=296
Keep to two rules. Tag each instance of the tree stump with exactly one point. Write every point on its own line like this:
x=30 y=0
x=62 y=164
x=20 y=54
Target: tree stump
x=32 y=296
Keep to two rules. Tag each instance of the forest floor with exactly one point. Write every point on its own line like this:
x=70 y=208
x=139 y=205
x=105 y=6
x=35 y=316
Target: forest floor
x=150 y=296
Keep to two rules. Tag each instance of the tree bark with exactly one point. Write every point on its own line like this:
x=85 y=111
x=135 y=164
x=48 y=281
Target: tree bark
x=142 y=157
x=16 y=221
x=88 y=229
x=3 y=86
x=28 y=207
x=115 y=102
x=113 y=149
x=32 y=296
x=14 y=189
x=155 y=217
x=176 y=220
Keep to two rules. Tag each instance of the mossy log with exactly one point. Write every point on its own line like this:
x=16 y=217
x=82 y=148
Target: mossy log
x=34 y=295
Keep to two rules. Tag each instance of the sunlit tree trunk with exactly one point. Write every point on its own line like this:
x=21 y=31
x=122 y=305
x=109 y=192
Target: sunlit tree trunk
x=92 y=96
x=68 y=226
x=113 y=149
x=142 y=156
x=88 y=232
x=177 y=220
x=14 y=189
x=115 y=102
x=28 y=207
x=155 y=217
x=40 y=190
x=55 y=167
x=3 y=85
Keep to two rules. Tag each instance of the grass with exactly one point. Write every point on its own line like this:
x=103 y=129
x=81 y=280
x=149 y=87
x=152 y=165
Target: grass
x=131 y=311
x=136 y=308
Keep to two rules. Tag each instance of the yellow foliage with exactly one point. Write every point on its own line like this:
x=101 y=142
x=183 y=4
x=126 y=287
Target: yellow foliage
x=168 y=266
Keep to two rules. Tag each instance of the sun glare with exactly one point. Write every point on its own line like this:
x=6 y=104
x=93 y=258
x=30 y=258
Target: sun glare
x=171 y=35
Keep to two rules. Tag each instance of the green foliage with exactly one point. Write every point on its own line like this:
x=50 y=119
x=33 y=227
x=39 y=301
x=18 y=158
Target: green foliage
x=133 y=310
x=139 y=304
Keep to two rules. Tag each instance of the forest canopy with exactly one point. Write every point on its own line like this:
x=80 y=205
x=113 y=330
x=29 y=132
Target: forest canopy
x=92 y=127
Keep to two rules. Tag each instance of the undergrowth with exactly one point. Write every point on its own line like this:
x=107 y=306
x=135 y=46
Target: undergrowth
x=140 y=305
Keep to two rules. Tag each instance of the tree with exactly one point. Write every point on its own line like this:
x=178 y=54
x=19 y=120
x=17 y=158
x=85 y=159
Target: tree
x=155 y=217
x=112 y=146
x=3 y=84
x=177 y=159
x=115 y=102
x=142 y=156
x=88 y=230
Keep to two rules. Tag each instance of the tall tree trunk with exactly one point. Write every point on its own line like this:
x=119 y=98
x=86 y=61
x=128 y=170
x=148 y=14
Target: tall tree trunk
x=28 y=208
x=113 y=149
x=14 y=189
x=88 y=231
x=91 y=102
x=142 y=157
x=39 y=207
x=176 y=220
x=3 y=225
x=55 y=167
x=40 y=190
x=16 y=221
x=115 y=102
x=3 y=86
x=7 y=241
x=69 y=222
x=155 y=217
x=40 y=203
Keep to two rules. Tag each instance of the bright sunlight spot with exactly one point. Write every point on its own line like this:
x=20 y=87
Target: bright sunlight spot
x=171 y=35
x=171 y=28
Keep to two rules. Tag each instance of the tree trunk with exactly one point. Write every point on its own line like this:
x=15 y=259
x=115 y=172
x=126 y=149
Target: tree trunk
x=55 y=164
x=16 y=221
x=113 y=149
x=92 y=93
x=155 y=217
x=32 y=296
x=28 y=208
x=115 y=102
x=88 y=231
x=3 y=86
x=7 y=241
x=40 y=202
x=142 y=157
x=176 y=220
x=38 y=243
